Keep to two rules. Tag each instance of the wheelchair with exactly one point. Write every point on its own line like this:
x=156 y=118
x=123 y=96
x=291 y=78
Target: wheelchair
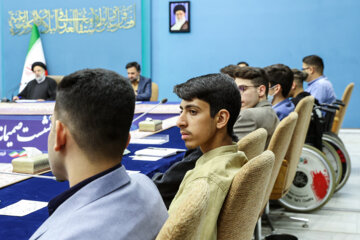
x=324 y=165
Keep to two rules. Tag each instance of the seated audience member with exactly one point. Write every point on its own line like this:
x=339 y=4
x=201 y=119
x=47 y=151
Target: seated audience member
x=256 y=111
x=86 y=142
x=297 y=90
x=230 y=70
x=209 y=108
x=243 y=64
x=281 y=79
x=297 y=93
x=41 y=88
x=318 y=85
x=168 y=182
x=140 y=84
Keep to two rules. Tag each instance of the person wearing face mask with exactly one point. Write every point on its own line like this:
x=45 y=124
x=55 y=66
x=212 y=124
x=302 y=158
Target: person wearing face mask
x=256 y=112
x=281 y=79
x=41 y=88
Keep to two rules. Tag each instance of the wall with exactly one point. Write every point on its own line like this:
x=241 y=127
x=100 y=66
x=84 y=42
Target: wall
x=262 y=33
x=67 y=52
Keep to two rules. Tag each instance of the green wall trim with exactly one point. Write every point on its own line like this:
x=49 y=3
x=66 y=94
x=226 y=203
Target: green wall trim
x=146 y=38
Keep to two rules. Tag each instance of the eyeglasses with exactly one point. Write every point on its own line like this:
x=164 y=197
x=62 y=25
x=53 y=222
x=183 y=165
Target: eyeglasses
x=243 y=88
x=306 y=68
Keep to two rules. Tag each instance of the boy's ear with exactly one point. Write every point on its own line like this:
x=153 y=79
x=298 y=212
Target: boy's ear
x=222 y=118
x=61 y=132
x=262 y=91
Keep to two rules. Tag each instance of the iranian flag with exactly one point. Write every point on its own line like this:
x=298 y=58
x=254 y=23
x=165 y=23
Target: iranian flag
x=35 y=54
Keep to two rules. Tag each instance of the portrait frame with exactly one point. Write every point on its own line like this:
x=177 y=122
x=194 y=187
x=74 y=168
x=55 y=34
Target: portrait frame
x=176 y=26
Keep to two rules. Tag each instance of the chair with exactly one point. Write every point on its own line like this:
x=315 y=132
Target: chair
x=253 y=144
x=243 y=202
x=184 y=222
x=279 y=144
x=154 y=92
x=339 y=117
x=293 y=153
x=57 y=78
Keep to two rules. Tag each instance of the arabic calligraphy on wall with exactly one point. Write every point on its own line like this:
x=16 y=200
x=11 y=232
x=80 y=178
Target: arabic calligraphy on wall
x=12 y=136
x=81 y=21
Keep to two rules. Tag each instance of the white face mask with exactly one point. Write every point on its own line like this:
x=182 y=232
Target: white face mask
x=270 y=98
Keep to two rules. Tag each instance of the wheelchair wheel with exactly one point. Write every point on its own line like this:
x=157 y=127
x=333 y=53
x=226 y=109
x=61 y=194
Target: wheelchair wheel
x=334 y=135
x=344 y=158
x=314 y=182
x=334 y=160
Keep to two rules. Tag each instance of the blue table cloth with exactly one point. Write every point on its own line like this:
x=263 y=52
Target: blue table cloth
x=44 y=190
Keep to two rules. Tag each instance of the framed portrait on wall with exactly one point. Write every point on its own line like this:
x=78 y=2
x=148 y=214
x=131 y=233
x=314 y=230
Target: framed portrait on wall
x=179 y=17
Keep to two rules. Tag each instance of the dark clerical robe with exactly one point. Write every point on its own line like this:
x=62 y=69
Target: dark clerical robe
x=45 y=90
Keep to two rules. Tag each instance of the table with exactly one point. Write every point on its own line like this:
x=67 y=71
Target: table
x=44 y=190
x=28 y=124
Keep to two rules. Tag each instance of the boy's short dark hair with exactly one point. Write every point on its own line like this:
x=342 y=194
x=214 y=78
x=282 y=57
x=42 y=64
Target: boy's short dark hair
x=256 y=75
x=299 y=76
x=230 y=70
x=133 y=64
x=98 y=106
x=280 y=74
x=218 y=90
x=316 y=62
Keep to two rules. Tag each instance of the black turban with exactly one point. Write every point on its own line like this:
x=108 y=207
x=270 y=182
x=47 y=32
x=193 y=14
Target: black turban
x=179 y=7
x=40 y=64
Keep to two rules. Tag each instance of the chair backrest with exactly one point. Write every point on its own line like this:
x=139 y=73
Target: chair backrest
x=279 y=144
x=154 y=92
x=253 y=144
x=340 y=114
x=57 y=78
x=303 y=109
x=243 y=202
x=184 y=222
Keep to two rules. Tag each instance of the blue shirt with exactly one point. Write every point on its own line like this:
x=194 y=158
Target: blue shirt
x=283 y=108
x=322 y=89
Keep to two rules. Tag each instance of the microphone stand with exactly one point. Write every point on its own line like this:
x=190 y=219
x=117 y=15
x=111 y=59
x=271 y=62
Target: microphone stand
x=5 y=99
x=161 y=102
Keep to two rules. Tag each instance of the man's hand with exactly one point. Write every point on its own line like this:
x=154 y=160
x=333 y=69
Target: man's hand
x=15 y=98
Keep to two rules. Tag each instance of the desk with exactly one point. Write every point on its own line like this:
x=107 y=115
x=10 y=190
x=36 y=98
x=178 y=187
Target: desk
x=28 y=124
x=44 y=190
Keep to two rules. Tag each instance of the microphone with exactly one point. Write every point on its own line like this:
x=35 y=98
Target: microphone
x=161 y=102
x=5 y=99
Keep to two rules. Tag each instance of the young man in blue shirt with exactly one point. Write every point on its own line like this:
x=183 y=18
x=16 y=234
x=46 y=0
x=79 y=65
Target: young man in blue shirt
x=88 y=135
x=281 y=79
x=318 y=85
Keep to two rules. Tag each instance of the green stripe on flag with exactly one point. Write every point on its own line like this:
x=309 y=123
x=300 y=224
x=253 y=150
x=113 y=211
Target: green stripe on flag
x=35 y=35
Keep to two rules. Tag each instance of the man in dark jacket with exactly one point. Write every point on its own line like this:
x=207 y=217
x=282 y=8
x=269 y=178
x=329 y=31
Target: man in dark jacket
x=41 y=88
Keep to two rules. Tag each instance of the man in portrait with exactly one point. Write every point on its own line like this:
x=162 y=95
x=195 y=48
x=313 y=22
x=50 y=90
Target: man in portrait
x=181 y=23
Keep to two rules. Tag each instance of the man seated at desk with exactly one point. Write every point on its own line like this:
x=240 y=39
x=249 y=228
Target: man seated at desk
x=41 y=88
x=85 y=145
x=140 y=84
x=209 y=108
